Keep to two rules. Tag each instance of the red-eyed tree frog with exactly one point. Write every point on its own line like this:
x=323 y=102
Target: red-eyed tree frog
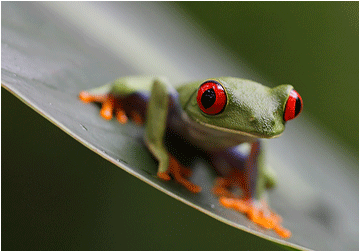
x=211 y=119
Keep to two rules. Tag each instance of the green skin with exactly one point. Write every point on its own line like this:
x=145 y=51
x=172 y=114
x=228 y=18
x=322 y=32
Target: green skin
x=252 y=111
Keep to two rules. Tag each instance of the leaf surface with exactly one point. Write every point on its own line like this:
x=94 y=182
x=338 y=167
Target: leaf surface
x=45 y=64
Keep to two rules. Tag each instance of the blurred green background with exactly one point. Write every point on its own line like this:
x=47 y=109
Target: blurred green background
x=49 y=191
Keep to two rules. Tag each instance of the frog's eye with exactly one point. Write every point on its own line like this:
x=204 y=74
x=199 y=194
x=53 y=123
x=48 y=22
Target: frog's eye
x=293 y=106
x=211 y=98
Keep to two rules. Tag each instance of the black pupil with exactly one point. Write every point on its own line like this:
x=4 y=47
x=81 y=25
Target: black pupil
x=208 y=98
x=297 y=106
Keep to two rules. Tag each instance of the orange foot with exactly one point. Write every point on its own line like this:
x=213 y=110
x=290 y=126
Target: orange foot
x=221 y=186
x=109 y=104
x=258 y=216
x=180 y=173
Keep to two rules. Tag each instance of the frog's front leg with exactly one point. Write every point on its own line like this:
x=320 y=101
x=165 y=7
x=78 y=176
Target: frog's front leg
x=129 y=96
x=248 y=173
x=162 y=99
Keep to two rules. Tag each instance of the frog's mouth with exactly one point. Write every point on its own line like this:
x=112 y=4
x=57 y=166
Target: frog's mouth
x=200 y=125
x=238 y=132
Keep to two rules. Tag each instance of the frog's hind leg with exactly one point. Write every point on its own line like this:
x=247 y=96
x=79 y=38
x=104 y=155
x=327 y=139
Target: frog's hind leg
x=135 y=106
x=248 y=177
x=98 y=94
x=108 y=102
x=131 y=105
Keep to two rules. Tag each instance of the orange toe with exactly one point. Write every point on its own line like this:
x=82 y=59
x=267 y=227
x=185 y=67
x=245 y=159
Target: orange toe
x=237 y=204
x=269 y=221
x=163 y=175
x=178 y=173
x=283 y=232
x=107 y=107
x=85 y=97
x=191 y=187
x=106 y=113
x=176 y=169
x=121 y=116
x=256 y=216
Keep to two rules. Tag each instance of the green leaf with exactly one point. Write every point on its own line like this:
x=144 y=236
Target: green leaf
x=51 y=51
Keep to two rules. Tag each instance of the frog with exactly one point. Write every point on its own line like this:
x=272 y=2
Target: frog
x=221 y=120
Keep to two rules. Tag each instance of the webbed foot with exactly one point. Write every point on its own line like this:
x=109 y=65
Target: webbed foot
x=179 y=173
x=259 y=215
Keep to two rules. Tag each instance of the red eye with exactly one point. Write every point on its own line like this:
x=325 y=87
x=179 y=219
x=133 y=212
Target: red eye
x=211 y=98
x=293 y=106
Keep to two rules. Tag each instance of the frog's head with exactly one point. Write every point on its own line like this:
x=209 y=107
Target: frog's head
x=244 y=107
